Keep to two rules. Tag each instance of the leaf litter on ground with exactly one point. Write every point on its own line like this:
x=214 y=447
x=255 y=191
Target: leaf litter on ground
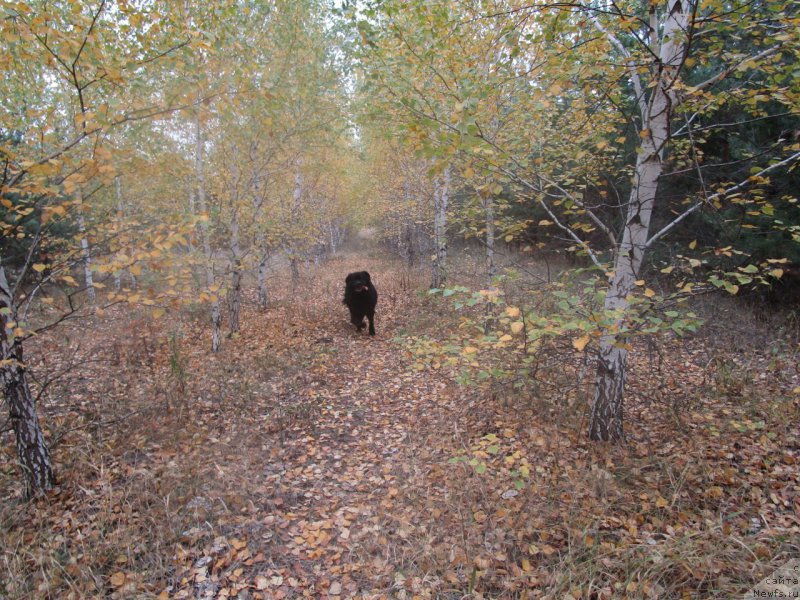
x=308 y=460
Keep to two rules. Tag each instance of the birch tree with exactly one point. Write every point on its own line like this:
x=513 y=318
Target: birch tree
x=441 y=197
x=573 y=79
x=659 y=93
x=74 y=69
x=205 y=236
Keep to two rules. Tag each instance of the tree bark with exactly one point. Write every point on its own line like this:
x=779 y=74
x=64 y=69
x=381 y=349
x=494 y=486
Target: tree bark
x=297 y=197
x=86 y=255
x=118 y=192
x=440 y=198
x=235 y=291
x=216 y=317
x=491 y=270
x=606 y=420
x=263 y=291
x=32 y=452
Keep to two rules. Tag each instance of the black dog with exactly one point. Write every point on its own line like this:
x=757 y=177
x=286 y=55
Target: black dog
x=360 y=296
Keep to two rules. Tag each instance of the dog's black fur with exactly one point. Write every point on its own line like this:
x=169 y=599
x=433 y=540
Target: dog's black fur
x=361 y=297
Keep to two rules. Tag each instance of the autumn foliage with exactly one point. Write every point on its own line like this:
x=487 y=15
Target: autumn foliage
x=583 y=225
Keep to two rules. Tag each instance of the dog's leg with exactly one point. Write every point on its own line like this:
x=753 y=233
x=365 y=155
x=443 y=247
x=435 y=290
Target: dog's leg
x=356 y=319
x=371 y=317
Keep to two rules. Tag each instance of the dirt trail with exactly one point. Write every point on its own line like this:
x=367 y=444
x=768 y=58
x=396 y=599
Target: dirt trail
x=328 y=469
x=307 y=460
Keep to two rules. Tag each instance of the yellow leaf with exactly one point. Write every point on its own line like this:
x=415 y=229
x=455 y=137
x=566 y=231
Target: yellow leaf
x=158 y=313
x=470 y=350
x=512 y=311
x=667 y=270
x=661 y=502
x=548 y=550
x=517 y=326
x=469 y=173
x=639 y=282
x=39 y=267
x=118 y=579
x=506 y=338
x=580 y=343
x=136 y=270
x=649 y=293
x=545 y=223
x=776 y=273
x=693 y=245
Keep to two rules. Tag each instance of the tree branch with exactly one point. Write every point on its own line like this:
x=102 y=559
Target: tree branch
x=730 y=69
x=794 y=157
x=635 y=79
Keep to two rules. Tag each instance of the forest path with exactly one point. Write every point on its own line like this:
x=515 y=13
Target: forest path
x=309 y=460
x=321 y=446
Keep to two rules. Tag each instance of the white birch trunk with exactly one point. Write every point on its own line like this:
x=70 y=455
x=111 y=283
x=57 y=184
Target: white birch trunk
x=333 y=234
x=263 y=292
x=32 y=452
x=297 y=196
x=440 y=198
x=491 y=270
x=86 y=255
x=235 y=291
x=216 y=317
x=120 y=214
x=606 y=420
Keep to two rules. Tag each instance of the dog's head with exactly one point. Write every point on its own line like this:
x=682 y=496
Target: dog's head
x=358 y=282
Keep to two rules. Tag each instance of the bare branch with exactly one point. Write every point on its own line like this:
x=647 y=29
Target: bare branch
x=787 y=161
x=537 y=190
x=635 y=79
x=730 y=69
x=579 y=203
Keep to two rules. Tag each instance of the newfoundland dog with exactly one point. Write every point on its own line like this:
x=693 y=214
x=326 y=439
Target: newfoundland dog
x=360 y=296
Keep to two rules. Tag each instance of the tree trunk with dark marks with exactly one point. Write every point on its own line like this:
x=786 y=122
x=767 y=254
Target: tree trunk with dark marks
x=606 y=422
x=32 y=452
x=440 y=198
x=216 y=316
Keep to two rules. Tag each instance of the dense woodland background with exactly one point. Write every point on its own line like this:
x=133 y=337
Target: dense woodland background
x=582 y=222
